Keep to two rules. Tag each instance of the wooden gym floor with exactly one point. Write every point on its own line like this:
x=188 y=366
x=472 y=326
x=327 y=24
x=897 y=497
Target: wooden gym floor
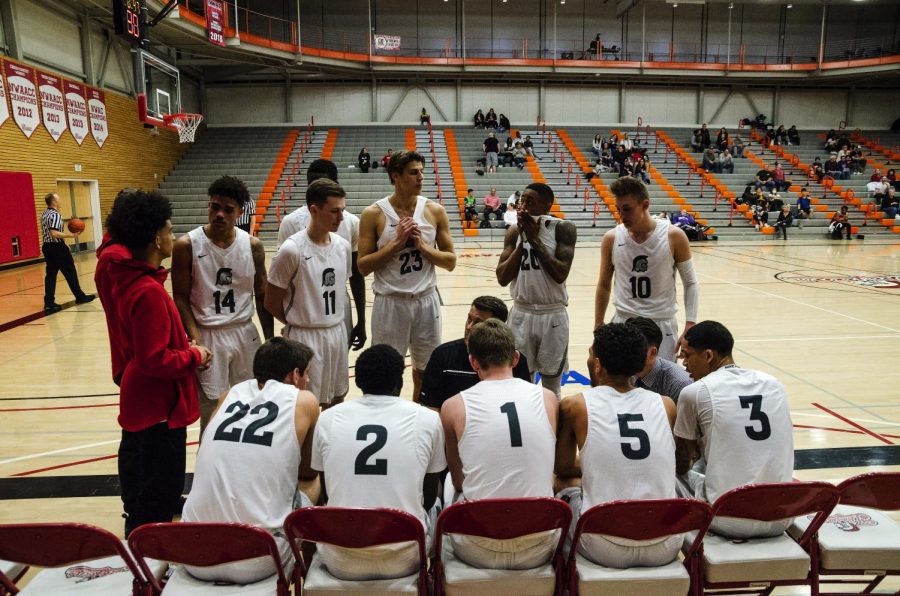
x=823 y=317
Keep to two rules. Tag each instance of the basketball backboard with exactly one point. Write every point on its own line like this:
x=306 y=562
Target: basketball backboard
x=159 y=88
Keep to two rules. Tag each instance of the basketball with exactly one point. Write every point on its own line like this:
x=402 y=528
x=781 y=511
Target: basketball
x=76 y=226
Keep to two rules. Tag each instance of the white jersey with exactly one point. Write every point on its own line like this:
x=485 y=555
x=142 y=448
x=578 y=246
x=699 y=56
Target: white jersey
x=645 y=274
x=409 y=272
x=313 y=276
x=375 y=452
x=532 y=286
x=249 y=458
x=299 y=220
x=507 y=446
x=629 y=452
x=222 y=288
x=743 y=421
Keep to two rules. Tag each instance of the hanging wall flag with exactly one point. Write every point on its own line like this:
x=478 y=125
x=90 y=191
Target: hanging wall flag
x=22 y=97
x=76 y=109
x=53 y=105
x=4 y=108
x=97 y=109
x=215 y=22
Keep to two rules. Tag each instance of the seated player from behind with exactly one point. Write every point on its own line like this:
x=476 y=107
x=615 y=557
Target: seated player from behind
x=449 y=370
x=744 y=421
x=255 y=448
x=379 y=451
x=624 y=436
x=501 y=436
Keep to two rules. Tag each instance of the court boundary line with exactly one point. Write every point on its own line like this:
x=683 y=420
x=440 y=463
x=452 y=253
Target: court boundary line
x=854 y=424
x=57 y=408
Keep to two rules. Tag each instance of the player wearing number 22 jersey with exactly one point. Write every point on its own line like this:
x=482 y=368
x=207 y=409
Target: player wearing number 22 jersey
x=741 y=420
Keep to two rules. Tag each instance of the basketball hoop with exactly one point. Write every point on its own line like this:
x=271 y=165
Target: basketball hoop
x=185 y=124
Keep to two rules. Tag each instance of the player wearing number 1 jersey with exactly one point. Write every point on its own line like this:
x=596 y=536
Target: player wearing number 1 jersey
x=741 y=420
x=402 y=238
x=643 y=253
x=306 y=290
x=501 y=436
x=217 y=271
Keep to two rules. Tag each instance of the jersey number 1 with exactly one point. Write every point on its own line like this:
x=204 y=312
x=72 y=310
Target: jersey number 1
x=515 y=431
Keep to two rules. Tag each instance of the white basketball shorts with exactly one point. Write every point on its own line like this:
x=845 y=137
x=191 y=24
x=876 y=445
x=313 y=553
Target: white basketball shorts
x=408 y=323
x=543 y=337
x=233 y=348
x=329 y=375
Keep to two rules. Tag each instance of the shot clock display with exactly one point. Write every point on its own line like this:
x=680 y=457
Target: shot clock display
x=129 y=19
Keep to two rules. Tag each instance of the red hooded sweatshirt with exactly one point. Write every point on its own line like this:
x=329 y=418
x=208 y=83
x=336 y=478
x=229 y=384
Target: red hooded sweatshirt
x=152 y=361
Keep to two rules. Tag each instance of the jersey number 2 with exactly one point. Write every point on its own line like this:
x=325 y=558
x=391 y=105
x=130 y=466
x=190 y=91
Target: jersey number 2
x=362 y=467
x=226 y=302
x=249 y=434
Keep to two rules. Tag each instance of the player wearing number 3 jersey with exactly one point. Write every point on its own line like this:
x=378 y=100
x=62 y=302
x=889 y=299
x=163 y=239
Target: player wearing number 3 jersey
x=306 y=290
x=643 y=254
x=741 y=420
x=501 y=437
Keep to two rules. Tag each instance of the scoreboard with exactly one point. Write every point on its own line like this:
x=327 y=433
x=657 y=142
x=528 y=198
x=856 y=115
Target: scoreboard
x=129 y=18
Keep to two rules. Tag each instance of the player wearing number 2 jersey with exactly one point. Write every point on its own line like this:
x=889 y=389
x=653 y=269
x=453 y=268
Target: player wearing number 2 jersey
x=306 y=290
x=742 y=421
x=217 y=271
x=402 y=238
x=256 y=447
x=501 y=436
x=643 y=253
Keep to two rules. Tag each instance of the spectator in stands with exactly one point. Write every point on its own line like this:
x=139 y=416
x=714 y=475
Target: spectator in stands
x=748 y=197
x=722 y=140
x=892 y=179
x=709 y=160
x=606 y=156
x=835 y=168
x=781 y=135
x=876 y=176
x=619 y=156
x=490 y=120
x=511 y=216
x=769 y=138
x=889 y=204
x=626 y=142
x=518 y=155
x=817 y=170
x=778 y=178
x=840 y=224
x=705 y=141
x=626 y=168
x=831 y=140
x=386 y=158
x=506 y=152
x=640 y=169
x=597 y=144
x=725 y=163
x=775 y=201
x=843 y=141
x=857 y=161
x=493 y=206
x=689 y=225
x=479 y=119
x=424 y=117
x=364 y=160
x=504 y=123
x=793 y=135
x=491 y=148
x=764 y=179
x=470 y=208
x=529 y=147
x=804 y=206
x=785 y=220
x=760 y=213
x=659 y=375
x=737 y=148
x=696 y=140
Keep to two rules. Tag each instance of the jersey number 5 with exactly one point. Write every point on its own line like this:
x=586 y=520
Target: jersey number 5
x=362 y=467
x=754 y=402
x=628 y=450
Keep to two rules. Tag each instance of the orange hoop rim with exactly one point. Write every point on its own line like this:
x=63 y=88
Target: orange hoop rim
x=185 y=123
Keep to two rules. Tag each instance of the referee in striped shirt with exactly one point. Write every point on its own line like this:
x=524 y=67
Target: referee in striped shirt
x=58 y=257
x=247 y=217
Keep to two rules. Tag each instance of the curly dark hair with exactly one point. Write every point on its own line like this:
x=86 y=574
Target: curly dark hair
x=232 y=188
x=379 y=370
x=278 y=357
x=136 y=218
x=621 y=349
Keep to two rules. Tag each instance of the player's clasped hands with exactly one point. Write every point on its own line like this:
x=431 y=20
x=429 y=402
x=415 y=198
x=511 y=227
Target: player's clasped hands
x=408 y=229
x=528 y=226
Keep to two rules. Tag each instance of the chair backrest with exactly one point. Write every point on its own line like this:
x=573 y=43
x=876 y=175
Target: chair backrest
x=503 y=519
x=877 y=490
x=57 y=544
x=202 y=545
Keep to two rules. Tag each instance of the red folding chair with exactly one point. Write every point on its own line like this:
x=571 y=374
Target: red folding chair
x=638 y=520
x=104 y=560
x=10 y=574
x=352 y=527
x=204 y=545
x=858 y=539
x=501 y=519
x=759 y=565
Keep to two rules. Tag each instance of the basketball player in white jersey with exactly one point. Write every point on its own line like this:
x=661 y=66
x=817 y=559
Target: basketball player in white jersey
x=217 y=272
x=379 y=451
x=741 y=420
x=349 y=231
x=643 y=254
x=627 y=451
x=402 y=238
x=305 y=292
x=256 y=448
x=537 y=256
x=501 y=437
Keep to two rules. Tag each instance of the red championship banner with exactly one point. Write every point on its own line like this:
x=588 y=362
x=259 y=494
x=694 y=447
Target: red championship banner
x=4 y=108
x=22 y=97
x=76 y=110
x=215 y=22
x=53 y=105
x=97 y=109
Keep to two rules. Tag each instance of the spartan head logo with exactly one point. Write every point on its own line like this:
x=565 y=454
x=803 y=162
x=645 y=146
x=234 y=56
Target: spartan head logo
x=83 y=573
x=639 y=264
x=223 y=276
x=328 y=277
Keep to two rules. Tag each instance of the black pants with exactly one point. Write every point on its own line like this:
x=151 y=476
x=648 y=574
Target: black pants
x=59 y=258
x=151 y=474
x=780 y=225
x=245 y=227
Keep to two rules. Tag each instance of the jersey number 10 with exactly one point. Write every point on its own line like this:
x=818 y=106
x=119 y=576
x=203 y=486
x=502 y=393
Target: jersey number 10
x=640 y=287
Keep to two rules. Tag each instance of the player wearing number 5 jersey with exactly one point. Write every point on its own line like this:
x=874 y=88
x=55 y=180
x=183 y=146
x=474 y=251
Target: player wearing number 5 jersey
x=217 y=271
x=379 y=451
x=536 y=259
x=739 y=418
x=501 y=436
x=643 y=253
x=256 y=448
x=306 y=290
x=624 y=436
x=402 y=238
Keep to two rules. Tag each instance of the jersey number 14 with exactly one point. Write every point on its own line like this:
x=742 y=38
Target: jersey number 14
x=226 y=302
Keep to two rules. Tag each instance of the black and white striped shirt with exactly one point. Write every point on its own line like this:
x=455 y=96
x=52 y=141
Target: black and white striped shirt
x=51 y=220
x=247 y=215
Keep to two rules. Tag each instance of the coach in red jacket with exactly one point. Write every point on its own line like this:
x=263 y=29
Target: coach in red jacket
x=153 y=362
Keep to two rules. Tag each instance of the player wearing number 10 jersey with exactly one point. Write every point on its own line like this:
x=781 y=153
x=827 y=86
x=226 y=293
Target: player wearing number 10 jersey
x=741 y=420
x=306 y=290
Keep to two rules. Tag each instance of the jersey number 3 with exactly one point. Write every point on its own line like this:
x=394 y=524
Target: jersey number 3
x=754 y=402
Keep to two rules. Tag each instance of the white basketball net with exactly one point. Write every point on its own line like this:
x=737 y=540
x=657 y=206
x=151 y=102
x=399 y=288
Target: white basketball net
x=186 y=125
